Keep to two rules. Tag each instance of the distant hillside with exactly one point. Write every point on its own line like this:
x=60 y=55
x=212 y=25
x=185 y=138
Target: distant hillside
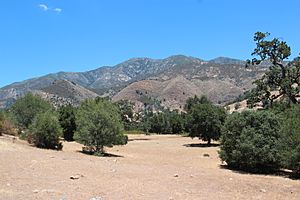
x=171 y=80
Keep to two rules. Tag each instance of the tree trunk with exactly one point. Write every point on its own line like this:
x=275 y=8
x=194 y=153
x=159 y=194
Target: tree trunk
x=208 y=141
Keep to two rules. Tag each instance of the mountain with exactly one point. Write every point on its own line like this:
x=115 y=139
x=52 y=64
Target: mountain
x=171 y=80
x=225 y=60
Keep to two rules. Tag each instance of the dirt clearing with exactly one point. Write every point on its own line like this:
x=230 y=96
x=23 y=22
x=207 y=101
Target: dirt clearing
x=148 y=167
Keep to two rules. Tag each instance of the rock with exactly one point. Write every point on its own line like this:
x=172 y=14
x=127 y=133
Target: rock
x=35 y=191
x=8 y=184
x=263 y=190
x=230 y=179
x=206 y=155
x=48 y=190
x=176 y=175
x=96 y=198
x=75 y=177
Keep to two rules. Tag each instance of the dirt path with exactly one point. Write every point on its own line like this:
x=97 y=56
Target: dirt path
x=149 y=167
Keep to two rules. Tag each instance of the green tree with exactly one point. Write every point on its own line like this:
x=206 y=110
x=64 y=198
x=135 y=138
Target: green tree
x=67 y=121
x=205 y=121
x=26 y=108
x=126 y=109
x=176 y=122
x=98 y=125
x=45 y=131
x=249 y=141
x=290 y=139
x=190 y=102
x=159 y=123
x=282 y=77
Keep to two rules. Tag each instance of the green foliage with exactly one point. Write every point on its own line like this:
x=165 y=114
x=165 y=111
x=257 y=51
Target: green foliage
x=290 y=140
x=281 y=77
x=190 y=102
x=126 y=111
x=205 y=121
x=249 y=141
x=166 y=122
x=45 y=131
x=67 y=121
x=237 y=106
x=98 y=125
x=6 y=126
x=26 y=108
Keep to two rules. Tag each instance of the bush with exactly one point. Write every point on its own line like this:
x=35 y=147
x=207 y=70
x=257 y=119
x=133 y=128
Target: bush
x=6 y=125
x=67 y=121
x=249 y=141
x=26 y=108
x=290 y=141
x=98 y=125
x=45 y=131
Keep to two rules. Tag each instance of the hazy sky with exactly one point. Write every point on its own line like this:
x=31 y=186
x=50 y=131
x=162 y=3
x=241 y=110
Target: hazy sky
x=45 y=36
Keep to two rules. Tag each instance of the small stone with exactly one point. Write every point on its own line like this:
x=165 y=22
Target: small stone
x=96 y=198
x=263 y=190
x=176 y=175
x=8 y=184
x=75 y=177
x=206 y=155
x=192 y=176
x=230 y=179
x=35 y=191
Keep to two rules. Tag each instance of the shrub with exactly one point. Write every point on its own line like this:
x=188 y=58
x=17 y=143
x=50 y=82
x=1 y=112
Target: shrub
x=45 y=131
x=67 y=121
x=98 y=125
x=237 y=106
x=290 y=141
x=6 y=125
x=26 y=108
x=249 y=141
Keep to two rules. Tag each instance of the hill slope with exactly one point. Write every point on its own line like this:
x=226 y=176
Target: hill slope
x=176 y=77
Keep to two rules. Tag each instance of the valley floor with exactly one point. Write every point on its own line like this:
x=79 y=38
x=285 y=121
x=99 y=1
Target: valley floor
x=148 y=167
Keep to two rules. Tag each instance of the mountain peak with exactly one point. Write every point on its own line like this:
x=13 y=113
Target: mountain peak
x=226 y=60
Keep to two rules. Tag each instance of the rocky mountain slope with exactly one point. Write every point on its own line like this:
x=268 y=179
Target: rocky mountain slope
x=171 y=80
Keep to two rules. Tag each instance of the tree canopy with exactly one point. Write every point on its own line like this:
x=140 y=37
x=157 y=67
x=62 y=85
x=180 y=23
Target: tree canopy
x=99 y=124
x=283 y=78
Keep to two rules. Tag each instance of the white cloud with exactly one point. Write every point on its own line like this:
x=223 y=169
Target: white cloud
x=58 y=10
x=44 y=7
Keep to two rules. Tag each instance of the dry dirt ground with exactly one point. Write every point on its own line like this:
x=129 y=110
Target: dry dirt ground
x=148 y=167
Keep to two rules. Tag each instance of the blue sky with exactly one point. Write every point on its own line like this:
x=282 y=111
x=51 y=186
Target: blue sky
x=45 y=36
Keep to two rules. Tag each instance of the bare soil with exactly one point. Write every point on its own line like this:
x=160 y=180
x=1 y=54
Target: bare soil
x=148 y=167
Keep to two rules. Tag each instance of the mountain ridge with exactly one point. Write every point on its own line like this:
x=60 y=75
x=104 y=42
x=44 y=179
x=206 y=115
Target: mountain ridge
x=108 y=80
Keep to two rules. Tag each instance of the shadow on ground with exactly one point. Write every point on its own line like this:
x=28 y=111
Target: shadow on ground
x=282 y=172
x=202 y=145
x=138 y=139
x=102 y=155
